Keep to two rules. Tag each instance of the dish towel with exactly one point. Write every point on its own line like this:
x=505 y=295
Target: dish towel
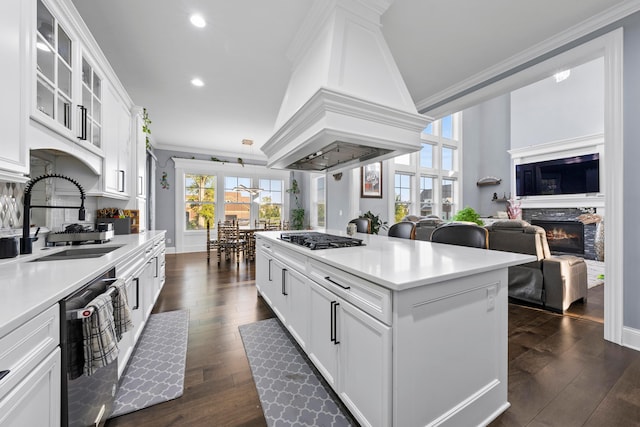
x=121 y=309
x=99 y=335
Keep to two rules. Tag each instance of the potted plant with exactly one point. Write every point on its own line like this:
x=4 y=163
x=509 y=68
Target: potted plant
x=468 y=214
x=297 y=214
x=376 y=222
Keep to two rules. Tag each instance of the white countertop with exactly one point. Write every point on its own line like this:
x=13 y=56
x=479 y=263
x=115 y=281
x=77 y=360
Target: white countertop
x=28 y=288
x=399 y=264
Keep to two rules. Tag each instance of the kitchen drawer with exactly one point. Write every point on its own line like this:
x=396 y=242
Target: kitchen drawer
x=22 y=349
x=368 y=297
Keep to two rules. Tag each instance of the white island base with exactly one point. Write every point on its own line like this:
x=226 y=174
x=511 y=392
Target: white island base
x=408 y=333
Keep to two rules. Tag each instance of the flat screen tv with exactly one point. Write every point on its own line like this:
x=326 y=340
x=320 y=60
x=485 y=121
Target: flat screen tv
x=570 y=175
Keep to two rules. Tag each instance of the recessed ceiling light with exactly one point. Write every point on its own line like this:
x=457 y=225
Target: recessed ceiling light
x=198 y=21
x=197 y=82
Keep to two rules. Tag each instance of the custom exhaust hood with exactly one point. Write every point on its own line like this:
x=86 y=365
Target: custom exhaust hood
x=346 y=102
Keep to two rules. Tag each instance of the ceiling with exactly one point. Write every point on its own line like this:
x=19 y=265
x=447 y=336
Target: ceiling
x=241 y=55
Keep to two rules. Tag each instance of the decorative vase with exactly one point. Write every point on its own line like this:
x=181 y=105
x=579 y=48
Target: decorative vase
x=598 y=241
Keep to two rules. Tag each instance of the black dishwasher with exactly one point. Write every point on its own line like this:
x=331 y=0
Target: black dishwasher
x=86 y=400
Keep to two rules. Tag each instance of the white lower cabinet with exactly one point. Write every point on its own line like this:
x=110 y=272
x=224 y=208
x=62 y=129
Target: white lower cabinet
x=352 y=350
x=30 y=390
x=36 y=399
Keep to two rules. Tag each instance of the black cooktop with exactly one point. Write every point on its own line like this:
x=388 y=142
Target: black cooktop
x=314 y=240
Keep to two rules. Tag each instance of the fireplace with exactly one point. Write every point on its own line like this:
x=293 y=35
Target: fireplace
x=563 y=236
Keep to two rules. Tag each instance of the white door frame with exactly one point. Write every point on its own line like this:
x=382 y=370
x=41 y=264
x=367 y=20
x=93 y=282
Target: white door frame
x=610 y=47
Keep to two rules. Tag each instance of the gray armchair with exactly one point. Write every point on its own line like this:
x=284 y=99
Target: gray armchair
x=424 y=225
x=551 y=281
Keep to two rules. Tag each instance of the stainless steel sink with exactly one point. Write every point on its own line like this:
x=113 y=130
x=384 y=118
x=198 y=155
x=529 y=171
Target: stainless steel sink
x=79 y=253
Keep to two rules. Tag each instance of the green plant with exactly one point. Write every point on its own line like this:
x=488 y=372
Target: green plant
x=297 y=214
x=376 y=222
x=468 y=214
x=145 y=127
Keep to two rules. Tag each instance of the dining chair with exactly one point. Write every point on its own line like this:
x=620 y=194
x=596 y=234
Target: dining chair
x=230 y=242
x=462 y=235
x=363 y=225
x=211 y=243
x=404 y=230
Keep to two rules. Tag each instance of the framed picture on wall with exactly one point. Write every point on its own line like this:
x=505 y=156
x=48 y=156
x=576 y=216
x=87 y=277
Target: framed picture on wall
x=371 y=181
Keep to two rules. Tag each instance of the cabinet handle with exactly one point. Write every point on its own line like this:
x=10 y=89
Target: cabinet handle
x=334 y=314
x=284 y=281
x=121 y=183
x=137 y=306
x=4 y=373
x=156 y=258
x=83 y=123
x=270 y=270
x=140 y=181
x=336 y=283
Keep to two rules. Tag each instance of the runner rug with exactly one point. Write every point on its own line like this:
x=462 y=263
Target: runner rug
x=291 y=392
x=155 y=372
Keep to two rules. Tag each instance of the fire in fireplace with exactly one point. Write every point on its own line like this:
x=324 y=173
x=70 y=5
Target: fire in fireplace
x=563 y=236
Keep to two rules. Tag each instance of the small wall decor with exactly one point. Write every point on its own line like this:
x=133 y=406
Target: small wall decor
x=371 y=181
x=163 y=181
x=489 y=180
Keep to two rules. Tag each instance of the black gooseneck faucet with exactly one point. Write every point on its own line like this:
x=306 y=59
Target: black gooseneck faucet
x=26 y=241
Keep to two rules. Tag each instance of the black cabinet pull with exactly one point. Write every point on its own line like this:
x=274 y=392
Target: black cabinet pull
x=83 y=123
x=336 y=283
x=284 y=281
x=137 y=306
x=4 y=373
x=331 y=328
x=121 y=183
x=334 y=322
x=271 y=280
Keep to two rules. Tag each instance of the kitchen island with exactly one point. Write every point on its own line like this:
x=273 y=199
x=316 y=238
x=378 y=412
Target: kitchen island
x=408 y=333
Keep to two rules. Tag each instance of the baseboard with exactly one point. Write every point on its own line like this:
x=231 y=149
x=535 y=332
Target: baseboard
x=631 y=338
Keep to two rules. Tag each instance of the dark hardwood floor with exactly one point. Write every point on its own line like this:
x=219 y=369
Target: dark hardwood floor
x=561 y=371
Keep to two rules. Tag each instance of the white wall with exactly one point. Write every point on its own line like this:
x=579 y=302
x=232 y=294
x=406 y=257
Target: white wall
x=548 y=111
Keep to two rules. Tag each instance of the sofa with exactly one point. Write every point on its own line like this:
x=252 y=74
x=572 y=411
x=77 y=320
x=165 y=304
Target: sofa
x=553 y=282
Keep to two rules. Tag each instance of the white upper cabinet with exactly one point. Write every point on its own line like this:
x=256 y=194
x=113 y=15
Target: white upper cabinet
x=117 y=145
x=14 y=156
x=66 y=90
x=76 y=103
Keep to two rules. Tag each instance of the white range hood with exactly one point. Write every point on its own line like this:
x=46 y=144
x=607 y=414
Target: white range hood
x=346 y=102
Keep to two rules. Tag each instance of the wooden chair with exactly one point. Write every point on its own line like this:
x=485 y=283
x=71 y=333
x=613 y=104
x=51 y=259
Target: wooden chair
x=404 y=230
x=462 y=235
x=285 y=225
x=211 y=243
x=230 y=242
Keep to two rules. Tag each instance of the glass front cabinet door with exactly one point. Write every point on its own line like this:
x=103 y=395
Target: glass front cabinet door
x=67 y=86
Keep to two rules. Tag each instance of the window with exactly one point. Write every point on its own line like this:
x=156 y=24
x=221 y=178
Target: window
x=426 y=156
x=447 y=158
x=270 y=200
x=318 y=201
x=199 y=201
x=426 y=195
x=446 y=126
x=435 y=169
x=402 y=195
x=448 y=194
x=237 y=203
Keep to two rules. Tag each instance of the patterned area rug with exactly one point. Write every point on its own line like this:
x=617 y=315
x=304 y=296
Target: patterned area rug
x=595 y=273
x=155 y=372
x=291 y=392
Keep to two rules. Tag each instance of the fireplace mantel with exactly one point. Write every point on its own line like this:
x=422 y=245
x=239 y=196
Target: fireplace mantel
x=589 y=144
